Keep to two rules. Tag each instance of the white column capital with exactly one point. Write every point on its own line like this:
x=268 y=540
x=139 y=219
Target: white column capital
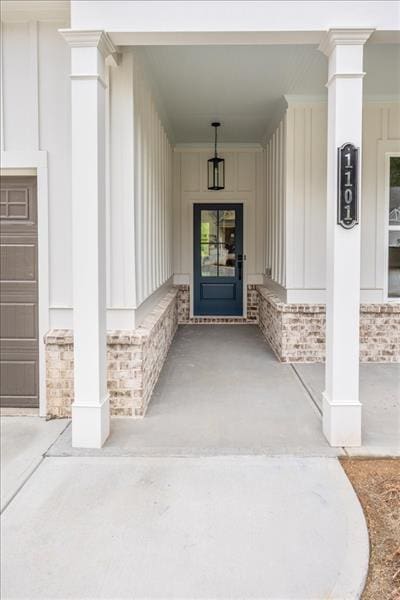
x=78 y=38
x=344 y=37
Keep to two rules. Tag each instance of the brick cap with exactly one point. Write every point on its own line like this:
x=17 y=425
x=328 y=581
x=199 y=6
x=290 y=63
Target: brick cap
x=134 y=337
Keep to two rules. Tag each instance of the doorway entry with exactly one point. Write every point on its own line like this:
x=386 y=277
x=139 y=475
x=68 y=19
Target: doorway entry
x=218 y=259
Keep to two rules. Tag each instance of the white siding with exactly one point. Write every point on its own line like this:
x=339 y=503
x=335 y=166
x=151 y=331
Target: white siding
x=153 y=192
x=276 y=204
x=306 y=193
x=36 y=116
x=304 y=199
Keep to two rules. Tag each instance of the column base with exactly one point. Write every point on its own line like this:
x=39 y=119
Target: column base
x=90 y=424
x=341 y=423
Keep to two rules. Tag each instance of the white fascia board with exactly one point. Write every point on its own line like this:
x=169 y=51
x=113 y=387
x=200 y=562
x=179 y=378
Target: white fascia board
x=237 y=16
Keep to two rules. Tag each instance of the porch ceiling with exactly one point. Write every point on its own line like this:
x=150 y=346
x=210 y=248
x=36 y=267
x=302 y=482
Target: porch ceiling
x=241 y=85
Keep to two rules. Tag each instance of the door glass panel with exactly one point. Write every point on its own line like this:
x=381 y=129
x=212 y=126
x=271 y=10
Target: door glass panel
x=226 y=226
x=394 y=264
x=394 y=203
x=209 y=260
x=226 y=260
x=209 y=226
x=217 y=239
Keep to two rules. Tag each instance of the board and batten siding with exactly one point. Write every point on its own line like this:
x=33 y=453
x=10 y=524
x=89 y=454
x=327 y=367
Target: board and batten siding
x=275 y=198
x=244 y=183
x=140 y=196
x=153 y=192
x=35 y=117
x=296 y=201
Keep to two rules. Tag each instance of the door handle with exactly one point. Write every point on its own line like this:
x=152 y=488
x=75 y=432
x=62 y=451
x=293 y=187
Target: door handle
x=239 y=264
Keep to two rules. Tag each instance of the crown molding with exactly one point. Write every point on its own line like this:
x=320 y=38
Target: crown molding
x=78 y=38
x=344 y=37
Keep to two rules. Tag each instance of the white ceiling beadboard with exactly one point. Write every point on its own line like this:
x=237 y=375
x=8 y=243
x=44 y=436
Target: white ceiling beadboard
x=241 y=85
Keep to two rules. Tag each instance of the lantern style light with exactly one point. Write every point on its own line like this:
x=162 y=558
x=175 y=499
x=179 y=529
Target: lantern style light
x=216 y=167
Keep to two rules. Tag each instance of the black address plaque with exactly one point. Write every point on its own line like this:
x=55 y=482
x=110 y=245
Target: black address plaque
x=347 y=186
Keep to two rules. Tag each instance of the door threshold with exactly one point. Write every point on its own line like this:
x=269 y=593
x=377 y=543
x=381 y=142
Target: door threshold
x=214 y=320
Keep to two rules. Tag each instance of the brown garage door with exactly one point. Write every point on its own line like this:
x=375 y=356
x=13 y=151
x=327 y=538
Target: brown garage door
x=19 y=383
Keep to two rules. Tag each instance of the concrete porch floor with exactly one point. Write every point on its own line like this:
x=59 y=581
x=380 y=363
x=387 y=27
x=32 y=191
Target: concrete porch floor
x=222 y=391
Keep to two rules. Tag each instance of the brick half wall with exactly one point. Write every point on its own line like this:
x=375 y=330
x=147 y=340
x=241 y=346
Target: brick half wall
x=134 y=362
x=296 y=332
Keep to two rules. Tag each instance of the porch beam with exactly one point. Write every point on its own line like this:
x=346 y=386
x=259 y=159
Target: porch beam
x=90 y=409
x=341 y=404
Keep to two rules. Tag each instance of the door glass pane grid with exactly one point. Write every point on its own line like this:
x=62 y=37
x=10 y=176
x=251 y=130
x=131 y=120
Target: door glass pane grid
x=218 y=258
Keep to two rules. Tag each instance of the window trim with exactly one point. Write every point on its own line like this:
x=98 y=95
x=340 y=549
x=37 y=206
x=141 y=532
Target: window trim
x=388 y=156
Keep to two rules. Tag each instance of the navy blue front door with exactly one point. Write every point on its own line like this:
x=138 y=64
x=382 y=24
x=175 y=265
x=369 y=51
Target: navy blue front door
x=218 y=259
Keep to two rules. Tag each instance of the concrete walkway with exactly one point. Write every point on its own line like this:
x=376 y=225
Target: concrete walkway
x=199 y=527
x=24 y=440
x=227 y=489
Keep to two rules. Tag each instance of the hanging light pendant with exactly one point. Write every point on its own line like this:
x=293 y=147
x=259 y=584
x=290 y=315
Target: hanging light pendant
x=216 y=167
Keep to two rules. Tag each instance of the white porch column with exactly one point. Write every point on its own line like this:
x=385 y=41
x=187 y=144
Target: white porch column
x=90 y=410
x=341 y=405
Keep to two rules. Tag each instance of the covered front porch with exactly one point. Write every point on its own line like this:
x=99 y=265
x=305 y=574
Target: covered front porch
x=222 y=391
x=142 y=244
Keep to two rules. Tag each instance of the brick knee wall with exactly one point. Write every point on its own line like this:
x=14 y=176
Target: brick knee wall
x=134 y=361
x=184 y=317
x=296 y=332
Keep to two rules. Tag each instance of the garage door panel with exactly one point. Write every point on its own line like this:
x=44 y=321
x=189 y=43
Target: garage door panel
x=18 y=350
x=20 y=292
x=18 y=262
x=18 y=377
x=18 y=321
x=19 y=344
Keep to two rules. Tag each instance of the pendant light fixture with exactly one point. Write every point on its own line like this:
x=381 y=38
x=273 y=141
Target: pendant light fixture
x=216 y=167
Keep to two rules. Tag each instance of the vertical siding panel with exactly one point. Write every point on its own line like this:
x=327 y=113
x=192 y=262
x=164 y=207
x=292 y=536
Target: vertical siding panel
x=152 y=192
x=273 y=204
x=283 y=224
x=280 y=203
x=138 y=167
x=270 y=203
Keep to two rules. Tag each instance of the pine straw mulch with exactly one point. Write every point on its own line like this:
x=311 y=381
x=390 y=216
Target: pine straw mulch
x=377 y=484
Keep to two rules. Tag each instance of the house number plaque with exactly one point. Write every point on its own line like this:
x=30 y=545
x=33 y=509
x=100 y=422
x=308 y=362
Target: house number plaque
x=347 y=186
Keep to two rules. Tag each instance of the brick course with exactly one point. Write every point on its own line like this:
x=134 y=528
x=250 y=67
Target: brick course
x=296 y=332
x=134 y=361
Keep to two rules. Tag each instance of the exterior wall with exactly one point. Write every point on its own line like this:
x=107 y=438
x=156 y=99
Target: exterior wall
x=36 y=118
x=275 y=259
x=140 y=195
x=303 y=200
x=296 y=332
x=244 y=183
x=153 y=191
x=135 y=359
x=306 y=201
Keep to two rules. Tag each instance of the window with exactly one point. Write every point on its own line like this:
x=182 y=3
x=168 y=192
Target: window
x=394 y=228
